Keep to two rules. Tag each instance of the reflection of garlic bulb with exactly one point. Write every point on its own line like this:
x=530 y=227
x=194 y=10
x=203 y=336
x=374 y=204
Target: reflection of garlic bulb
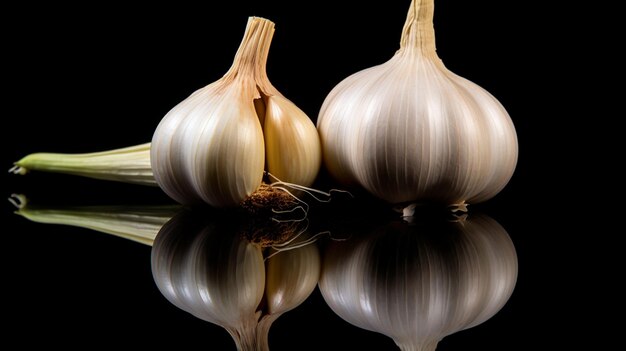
x=410 y=130
x=417 y=283
x=209 y=270
x=214 y=146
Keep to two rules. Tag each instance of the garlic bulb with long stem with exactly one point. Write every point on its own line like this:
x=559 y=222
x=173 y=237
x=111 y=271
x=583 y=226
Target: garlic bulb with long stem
x=410 y=130
x=207 y=267
x=214 y=146
x=419 y=282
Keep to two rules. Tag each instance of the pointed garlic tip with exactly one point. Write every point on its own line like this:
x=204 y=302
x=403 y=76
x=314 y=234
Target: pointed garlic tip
x=292 y=145
x=410 y=130
x=126 y=165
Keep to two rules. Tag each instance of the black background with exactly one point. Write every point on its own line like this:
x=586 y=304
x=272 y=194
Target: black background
x=88 y=79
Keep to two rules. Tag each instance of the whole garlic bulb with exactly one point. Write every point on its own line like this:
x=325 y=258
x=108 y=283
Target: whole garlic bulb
x=214 y=146
x=410 y=130
x=206 y=267
x=420 y=282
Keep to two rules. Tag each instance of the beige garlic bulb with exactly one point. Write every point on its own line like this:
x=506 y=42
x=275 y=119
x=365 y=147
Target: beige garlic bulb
x=214 y=146
x=419 y=282
x=410 y=130
x=206 y=266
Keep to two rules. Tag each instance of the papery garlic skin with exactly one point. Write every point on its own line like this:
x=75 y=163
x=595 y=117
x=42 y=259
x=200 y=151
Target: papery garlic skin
x=410 y=130
x=211 y=147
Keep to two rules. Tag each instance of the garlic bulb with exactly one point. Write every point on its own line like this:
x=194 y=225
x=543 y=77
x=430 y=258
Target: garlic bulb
x=417 y=283
x=137 y=223
x=214 y=146
x=207 y=268
x=410 y=130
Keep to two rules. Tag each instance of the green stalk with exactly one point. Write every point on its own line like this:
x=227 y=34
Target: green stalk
x=128 y=165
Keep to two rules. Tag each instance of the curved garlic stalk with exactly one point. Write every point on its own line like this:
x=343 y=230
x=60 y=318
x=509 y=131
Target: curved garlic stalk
x=410 y=130
x=128 y=165
x=136 y=223
x=420 y=282
x=206 y=267
x=214 y=146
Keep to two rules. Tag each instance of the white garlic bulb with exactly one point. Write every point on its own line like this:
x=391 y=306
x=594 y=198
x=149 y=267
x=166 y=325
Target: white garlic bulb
x=214 y=146
x=410 y=130
x=420 y=282
x=207 y=268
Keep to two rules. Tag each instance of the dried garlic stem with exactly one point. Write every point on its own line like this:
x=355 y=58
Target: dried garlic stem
x=419 y=31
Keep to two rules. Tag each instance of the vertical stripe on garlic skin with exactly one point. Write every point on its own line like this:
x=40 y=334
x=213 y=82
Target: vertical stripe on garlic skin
x=410 y=130
x=417 y=283
x=213 y=147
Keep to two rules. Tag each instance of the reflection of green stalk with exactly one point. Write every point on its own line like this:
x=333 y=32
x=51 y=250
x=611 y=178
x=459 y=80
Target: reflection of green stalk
x=128 y=165
x=137 y=223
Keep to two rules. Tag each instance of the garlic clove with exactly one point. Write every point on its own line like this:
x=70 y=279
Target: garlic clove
x=293 y=150
x=210 y=148
x=291 y=276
